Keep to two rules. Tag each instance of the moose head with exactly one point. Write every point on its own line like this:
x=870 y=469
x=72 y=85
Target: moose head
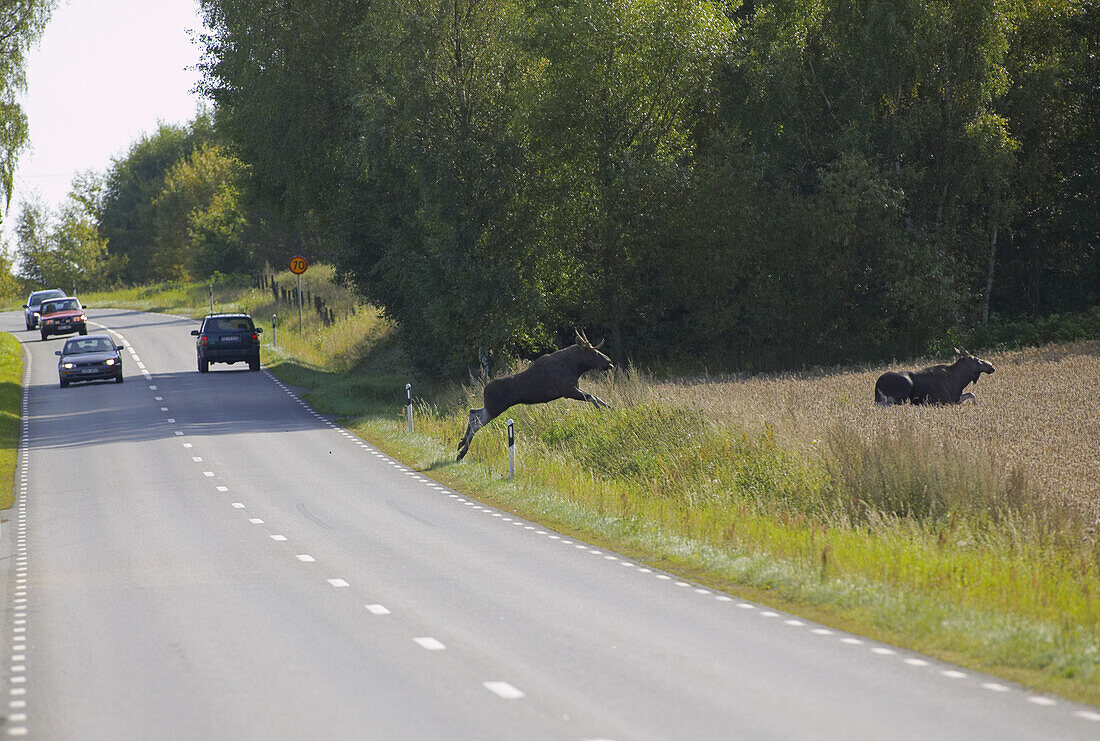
x=592 y=357
x=971 y=366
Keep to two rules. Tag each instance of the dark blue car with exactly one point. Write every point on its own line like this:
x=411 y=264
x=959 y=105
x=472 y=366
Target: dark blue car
x=93 y=357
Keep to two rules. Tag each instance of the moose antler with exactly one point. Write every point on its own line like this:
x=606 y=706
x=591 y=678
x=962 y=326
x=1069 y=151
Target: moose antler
x=583 y=341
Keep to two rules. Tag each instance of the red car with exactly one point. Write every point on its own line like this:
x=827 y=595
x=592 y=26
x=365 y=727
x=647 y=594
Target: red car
x=62 y=316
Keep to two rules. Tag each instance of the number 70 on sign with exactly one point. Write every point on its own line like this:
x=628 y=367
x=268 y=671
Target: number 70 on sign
x=298 y=265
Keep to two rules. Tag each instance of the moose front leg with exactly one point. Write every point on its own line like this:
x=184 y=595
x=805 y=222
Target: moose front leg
x=968 y=396
x=477 y=421
x=580 y=395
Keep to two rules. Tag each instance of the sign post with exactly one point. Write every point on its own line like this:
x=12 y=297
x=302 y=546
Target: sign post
x=298 y=266
x=409 y=403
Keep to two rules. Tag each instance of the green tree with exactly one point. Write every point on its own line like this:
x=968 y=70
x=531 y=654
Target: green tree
x=623 y=87
x=892 y=103
x=439 y=239
x=10 y=286
x=21 y=25
x=278 y=73
x=199 y=226
x=64 y=250
x=127 y=216
x=1050 y=254
x=31 y=243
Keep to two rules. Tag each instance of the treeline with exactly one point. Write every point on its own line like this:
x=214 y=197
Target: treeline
x=171 y=208
x=748 y=184
x=760 y=184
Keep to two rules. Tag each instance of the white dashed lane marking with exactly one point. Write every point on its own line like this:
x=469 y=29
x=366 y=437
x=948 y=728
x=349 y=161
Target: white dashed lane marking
x=429 y=644
x=503 y=689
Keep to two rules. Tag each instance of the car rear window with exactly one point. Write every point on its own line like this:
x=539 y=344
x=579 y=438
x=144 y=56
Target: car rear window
x=229 y=324
x=49 y=307
x=38 y=298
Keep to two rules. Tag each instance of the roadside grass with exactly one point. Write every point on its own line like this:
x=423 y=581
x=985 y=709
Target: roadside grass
x=900 y=538
x=11 y=398
x=967 y=533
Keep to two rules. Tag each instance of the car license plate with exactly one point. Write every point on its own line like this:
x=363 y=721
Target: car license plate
x=63 y=326
x=88 y=370
x=231 y=338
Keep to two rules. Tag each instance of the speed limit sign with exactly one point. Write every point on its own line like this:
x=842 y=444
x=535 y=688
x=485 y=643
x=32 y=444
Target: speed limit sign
x=298 y=265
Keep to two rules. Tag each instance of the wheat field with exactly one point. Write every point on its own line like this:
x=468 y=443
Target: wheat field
x=1038 y=413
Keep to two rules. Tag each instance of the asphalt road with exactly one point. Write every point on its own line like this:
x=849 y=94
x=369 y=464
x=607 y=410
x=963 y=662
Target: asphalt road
x=202 y=556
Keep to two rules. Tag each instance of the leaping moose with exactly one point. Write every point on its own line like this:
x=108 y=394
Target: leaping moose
x=938 y=384
x=550 y=377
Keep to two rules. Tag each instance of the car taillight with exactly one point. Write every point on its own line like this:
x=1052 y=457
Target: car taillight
x=255 y=338
x=203 y=340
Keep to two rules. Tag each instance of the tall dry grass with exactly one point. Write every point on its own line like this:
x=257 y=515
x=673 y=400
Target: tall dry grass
x=1037 y=417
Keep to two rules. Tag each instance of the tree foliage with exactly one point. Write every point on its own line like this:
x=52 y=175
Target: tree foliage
x=128 y=217
x=198 y=217
x=21 y=25
x=64 y=249
x=764 y=184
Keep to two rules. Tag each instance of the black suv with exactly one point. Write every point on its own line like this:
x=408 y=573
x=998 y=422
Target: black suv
x=227 y=338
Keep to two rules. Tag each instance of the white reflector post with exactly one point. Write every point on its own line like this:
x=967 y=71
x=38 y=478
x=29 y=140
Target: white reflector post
x=511 y=450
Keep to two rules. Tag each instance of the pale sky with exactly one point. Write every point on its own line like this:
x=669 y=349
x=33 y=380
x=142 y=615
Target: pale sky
x=104 y=73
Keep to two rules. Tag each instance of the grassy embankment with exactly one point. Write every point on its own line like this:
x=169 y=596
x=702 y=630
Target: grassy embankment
x=11 y=397
x=967 y=533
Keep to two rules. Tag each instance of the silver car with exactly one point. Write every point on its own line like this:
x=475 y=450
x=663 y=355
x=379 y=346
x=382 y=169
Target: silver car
x=33 y=307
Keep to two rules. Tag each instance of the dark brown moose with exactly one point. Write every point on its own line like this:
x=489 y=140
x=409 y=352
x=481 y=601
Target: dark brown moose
x=550 y=377
x=939 y=384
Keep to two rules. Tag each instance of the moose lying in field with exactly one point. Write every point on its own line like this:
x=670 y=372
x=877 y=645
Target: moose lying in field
x=939 y=384
x=550 y=377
